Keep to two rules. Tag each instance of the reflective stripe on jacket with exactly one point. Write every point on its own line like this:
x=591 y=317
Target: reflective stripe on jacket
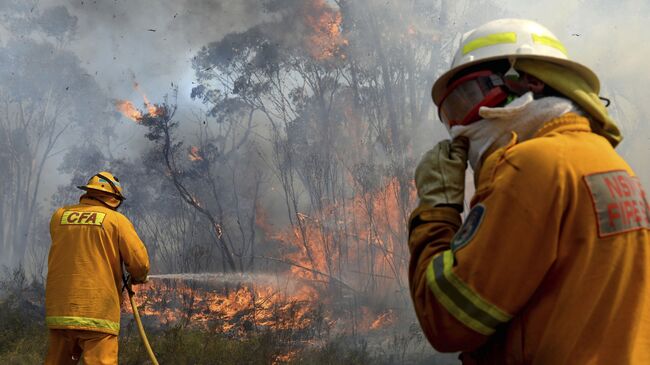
x=84 y=271
x=551 y=265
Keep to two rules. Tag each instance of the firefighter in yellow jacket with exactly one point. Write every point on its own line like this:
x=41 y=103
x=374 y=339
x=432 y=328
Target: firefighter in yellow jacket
x=90 y=240
x=552 y=263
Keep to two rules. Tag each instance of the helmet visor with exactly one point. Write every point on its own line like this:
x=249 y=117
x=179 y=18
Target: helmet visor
x=468 y=94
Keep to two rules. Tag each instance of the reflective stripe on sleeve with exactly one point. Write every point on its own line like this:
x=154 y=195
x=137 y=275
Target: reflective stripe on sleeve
x=459 y=299
x=82 y=322
x=551 y=42
x=489 y=40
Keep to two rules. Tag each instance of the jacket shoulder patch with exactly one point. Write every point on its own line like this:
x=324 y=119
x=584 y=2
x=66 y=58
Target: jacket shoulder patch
x=73 y=217
x=619 y=202
x=469 y=228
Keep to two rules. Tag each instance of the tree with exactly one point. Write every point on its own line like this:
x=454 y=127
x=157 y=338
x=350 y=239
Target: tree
x=40 y=103
x=337 y=92
x=216 y=178
x=45 y=95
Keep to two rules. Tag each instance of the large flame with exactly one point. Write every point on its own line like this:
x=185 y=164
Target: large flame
x=350 y=241
x=242 y=308
x=299 y=300
x=373 y=238
x=324 y=22
x=238 y=311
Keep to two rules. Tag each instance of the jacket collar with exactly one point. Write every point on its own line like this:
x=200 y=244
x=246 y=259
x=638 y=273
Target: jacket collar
x=568 y=122
x=88 y=200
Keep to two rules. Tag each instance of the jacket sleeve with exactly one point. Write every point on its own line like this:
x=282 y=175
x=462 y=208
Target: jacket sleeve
x=133 y=252
x=467 y=284
x=431 y=231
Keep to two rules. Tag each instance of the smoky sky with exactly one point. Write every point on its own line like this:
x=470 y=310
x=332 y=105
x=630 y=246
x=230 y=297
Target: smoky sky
x=153 y=42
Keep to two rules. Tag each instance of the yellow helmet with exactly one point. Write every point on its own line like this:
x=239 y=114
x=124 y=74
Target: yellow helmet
x=106 y=182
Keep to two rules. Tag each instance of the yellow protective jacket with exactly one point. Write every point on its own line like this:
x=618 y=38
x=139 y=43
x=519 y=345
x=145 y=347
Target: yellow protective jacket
x=84 y=267
x=552 y=263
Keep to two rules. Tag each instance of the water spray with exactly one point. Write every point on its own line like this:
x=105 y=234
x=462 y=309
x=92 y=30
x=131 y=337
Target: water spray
x=275 y=280
x=220 y=277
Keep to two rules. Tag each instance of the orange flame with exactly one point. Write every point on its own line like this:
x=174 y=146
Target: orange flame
x=326 y=39
x=285 y=358
x=153 y=111
x=194 y=154
x=231 y=310
x=248 y=307
x=130 y=111
x=301 y=304
x=384 y=320
x=374 y=240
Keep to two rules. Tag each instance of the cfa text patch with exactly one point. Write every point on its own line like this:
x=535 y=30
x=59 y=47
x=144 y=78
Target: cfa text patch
x=87 y=218
x=619 y=201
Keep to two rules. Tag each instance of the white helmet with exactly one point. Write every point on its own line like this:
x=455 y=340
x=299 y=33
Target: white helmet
x=509 y=39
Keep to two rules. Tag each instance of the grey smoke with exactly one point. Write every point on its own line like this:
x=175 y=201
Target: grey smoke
x=113 y=44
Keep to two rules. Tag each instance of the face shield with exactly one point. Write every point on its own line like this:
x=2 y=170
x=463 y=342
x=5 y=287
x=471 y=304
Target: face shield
x=465 y=96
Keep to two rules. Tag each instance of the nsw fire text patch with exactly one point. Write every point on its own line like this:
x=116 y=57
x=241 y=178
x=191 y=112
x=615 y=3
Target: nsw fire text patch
x=620 y=202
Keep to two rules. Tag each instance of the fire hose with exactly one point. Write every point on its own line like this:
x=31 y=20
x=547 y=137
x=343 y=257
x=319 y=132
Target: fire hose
x=138 y=321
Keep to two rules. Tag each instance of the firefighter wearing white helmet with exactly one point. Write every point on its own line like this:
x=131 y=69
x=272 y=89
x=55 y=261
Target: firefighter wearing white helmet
x=550 y=264
x=90 y=240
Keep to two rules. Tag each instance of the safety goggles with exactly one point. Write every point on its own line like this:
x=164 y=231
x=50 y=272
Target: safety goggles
x=465 y=96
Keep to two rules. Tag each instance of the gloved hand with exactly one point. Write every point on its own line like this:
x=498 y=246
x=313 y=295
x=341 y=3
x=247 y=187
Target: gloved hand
x=440 y=175
x=135 y=281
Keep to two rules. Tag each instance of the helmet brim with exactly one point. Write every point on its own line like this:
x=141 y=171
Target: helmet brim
x=87 y=189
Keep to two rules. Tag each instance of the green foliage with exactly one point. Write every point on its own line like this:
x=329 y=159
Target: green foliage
x=181 y=345
x=338 y=351
x=23 y=339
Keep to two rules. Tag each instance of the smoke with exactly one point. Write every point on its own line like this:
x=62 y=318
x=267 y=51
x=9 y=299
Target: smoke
x=342 y=230
x=155 y=43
